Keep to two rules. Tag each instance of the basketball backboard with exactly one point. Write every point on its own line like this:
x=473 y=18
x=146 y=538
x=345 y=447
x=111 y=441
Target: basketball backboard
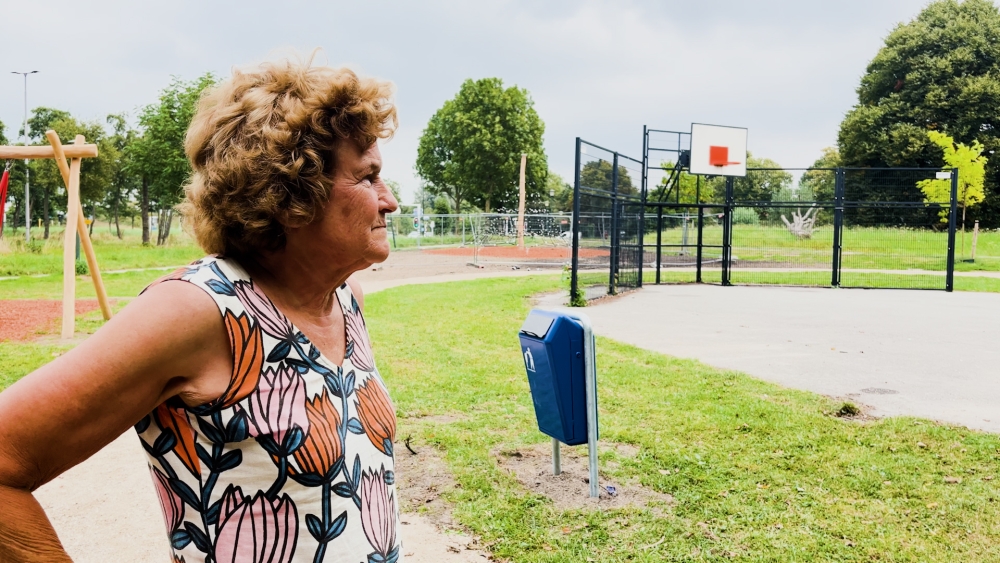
x=718 y=151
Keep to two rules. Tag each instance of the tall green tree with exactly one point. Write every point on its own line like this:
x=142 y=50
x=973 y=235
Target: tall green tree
x=819 y=183
x=471 y=148
x=123 y=181
x=559 y=194
x=157 y=157
x=45 y=177
x=939 y=72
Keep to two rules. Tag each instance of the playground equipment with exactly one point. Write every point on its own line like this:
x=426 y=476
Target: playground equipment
x=75 y=221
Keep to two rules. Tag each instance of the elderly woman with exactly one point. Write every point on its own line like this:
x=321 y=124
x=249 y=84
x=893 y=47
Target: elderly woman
x=247 y=375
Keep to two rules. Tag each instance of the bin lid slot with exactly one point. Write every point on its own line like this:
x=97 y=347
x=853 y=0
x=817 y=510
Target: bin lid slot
x=537 y=325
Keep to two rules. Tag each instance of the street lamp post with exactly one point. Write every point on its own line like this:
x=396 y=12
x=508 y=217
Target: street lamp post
x=27 y=191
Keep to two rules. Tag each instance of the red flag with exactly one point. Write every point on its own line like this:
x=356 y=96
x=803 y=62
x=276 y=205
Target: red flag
x=3 y=195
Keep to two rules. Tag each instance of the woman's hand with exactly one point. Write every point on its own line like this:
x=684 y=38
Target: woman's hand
x=169 y=341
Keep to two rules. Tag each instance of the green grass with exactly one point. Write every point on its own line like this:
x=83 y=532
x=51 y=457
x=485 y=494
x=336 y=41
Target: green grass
x=864 y=248
x=758 y=473
x=112 y=253
x=767 y=471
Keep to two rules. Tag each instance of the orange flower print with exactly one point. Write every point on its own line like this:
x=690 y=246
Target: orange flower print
x=176 y=421
x=377 y=414
x=248 y=358
x=321 y=448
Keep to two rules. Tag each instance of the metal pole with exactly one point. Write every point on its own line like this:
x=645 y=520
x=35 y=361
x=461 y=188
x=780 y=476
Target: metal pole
x=615 y=212
x=642 y=208
x=727 y=231
x=701 y=224
x=556 y=461
x=590 y=382
x=27 y=170
x=949 y=284
x=659 y=240
x=574 y=284
x=838 y=225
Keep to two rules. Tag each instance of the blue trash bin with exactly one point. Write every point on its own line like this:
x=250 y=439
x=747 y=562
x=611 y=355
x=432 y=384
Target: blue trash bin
x=552 y=344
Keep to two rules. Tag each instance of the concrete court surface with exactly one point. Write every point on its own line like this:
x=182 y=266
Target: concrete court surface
x=930 y=354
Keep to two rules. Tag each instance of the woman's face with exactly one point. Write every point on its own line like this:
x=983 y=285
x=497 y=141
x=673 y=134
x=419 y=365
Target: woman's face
x=351 y=229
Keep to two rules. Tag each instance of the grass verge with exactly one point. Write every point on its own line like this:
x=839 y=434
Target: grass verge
x=759 y=473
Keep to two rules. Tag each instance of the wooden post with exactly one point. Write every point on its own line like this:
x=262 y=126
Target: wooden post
x=520 y=204
x=69 y=250
x=975 y=238
x=59 y=153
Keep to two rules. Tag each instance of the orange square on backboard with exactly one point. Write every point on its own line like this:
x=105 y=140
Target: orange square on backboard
x=718 y=156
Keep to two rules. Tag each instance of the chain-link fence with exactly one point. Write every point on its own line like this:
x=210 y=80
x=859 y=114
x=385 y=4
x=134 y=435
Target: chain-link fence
x=486 y=238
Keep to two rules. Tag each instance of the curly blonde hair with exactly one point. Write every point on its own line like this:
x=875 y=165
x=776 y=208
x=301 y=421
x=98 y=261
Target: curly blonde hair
x=261 y=145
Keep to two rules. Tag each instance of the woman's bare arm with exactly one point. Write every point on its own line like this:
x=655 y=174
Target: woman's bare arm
x=169 y=341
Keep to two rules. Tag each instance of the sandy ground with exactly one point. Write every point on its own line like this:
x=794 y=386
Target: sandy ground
x=25 y=319
x=105 y=509
x=920 y=353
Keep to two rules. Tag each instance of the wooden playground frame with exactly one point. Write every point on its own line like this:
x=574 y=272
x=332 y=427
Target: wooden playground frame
x=75 y=221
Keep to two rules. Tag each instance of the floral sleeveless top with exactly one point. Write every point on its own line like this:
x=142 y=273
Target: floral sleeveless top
x=294 y=462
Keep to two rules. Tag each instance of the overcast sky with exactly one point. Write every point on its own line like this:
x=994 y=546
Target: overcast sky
x=786 y=69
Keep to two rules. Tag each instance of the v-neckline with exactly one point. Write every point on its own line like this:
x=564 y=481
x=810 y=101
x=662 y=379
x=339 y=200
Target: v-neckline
x=296 y=330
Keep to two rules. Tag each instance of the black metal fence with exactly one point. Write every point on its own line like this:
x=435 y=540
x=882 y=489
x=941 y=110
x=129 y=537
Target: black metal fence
x=607 y=219
x=839 y=227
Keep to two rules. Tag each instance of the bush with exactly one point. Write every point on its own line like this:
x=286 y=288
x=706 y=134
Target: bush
x=745 y=216
x=81 y=268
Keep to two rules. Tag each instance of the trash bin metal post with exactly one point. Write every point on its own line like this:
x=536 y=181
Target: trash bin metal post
x=556 y=461
x=590 y=382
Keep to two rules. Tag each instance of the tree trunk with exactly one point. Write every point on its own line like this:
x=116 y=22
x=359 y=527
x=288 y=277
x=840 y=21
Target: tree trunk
x=145 y=210
x=487 y=205
x=118 y=227
x=45 y=212
x=166 y=228
x=93 y=220
x=17 y=211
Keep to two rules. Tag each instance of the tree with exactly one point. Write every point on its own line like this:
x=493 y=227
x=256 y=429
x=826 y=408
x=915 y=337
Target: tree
x=688 y=188
x=123 y=181
x=471 y=148
x=939 y=72
x=157 y=157
x=560 y=194
x=818 y=184
x=971 y=165
x=45 y=175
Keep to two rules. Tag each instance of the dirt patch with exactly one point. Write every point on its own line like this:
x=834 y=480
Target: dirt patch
x=540 y=252
x=421 y=479
x=570 y=490
x=26 y=319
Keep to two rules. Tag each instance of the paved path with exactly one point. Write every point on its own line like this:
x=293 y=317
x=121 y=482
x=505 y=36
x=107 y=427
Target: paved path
x=923 y=353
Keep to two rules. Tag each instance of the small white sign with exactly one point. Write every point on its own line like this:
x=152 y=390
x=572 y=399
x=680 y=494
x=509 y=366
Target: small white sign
x=943 y=175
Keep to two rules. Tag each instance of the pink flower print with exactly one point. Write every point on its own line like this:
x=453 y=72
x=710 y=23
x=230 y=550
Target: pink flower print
x=172 y=505
x=378 y=512
x=270 y=318
x=256 y=530
x=361 y=354
x=278 y=404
